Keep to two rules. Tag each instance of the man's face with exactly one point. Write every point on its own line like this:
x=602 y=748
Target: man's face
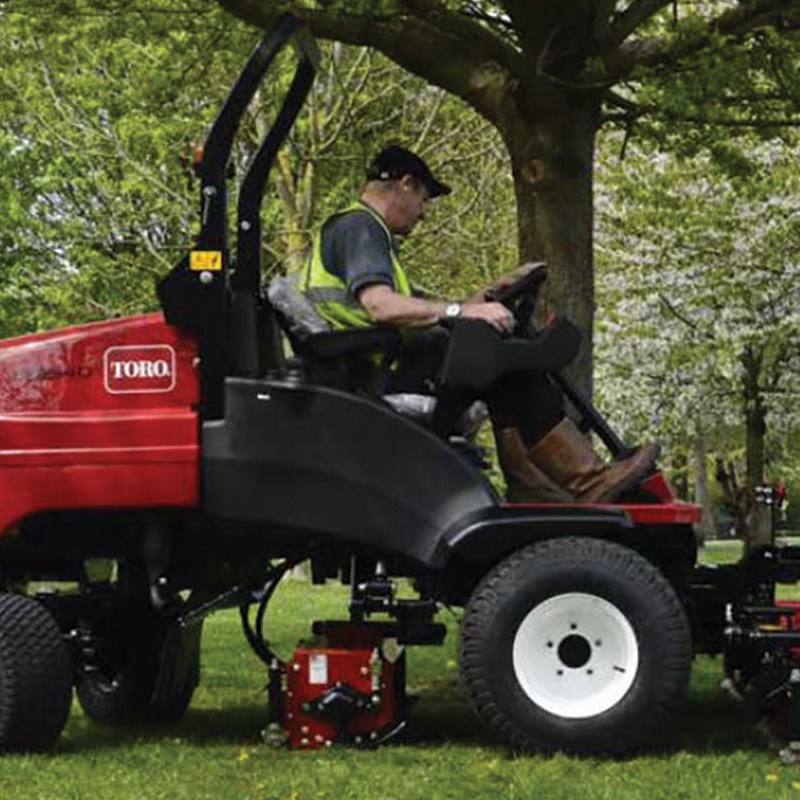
x=408 y=206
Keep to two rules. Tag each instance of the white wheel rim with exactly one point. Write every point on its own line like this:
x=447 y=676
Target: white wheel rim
x=575 y=655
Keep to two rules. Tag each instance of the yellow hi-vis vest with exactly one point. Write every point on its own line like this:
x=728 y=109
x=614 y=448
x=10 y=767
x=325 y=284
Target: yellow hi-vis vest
x=329 y=294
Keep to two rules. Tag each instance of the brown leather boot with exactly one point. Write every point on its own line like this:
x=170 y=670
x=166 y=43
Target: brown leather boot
x=567 y=457
x=525 y=482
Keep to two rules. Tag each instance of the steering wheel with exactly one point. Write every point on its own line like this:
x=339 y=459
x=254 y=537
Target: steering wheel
x=520 y=297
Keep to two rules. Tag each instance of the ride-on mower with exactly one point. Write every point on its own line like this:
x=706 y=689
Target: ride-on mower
x=157 y=468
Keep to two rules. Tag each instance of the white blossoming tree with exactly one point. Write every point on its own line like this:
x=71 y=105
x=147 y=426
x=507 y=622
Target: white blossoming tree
x=698 y=329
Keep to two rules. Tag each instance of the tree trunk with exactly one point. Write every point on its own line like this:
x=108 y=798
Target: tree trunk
x=756 y=432
x=759 y=528
x=680 y=474
x=735 y=498
x=296 y=190
x=552 y=162
x=705 y=528
x=755 y=418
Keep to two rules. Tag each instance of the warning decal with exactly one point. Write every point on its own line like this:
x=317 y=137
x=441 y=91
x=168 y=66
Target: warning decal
x=205 y=260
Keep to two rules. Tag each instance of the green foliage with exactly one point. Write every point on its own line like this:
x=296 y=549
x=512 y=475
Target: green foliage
x=736 y=85
x=371 y=9
x=96 y=116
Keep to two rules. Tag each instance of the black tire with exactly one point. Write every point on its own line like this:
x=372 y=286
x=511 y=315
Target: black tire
x=148 y=671
x=35 y=675
x=527 y=622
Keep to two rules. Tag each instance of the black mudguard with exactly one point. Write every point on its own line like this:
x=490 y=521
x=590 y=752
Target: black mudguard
x=494 y=533
x=326 y=465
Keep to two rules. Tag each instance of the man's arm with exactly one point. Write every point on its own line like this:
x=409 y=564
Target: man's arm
x=386 y=306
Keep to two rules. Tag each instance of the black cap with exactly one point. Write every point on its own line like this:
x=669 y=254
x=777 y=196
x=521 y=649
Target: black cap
x=393 y=162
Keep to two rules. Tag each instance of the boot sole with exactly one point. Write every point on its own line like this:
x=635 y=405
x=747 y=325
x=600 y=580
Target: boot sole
x=630 y=481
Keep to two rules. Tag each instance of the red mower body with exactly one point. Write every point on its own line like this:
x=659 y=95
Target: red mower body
x=98 y=416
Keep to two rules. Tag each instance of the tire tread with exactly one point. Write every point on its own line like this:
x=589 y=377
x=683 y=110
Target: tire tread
x=35 y=675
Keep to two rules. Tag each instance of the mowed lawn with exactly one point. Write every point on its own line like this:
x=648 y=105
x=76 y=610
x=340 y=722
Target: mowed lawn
x=712 y=751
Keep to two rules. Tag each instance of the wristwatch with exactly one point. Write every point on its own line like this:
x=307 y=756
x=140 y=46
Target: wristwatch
x=452 y=310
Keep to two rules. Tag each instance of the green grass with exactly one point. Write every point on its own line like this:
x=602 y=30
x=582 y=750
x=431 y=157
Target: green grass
x=712 y=751
x=721 y=551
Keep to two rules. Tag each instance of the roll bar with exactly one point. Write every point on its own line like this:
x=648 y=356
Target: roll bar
x=257 y=347
x=195 y=295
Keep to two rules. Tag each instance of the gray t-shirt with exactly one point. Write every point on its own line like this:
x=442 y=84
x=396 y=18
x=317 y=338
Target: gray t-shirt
x=356 y=249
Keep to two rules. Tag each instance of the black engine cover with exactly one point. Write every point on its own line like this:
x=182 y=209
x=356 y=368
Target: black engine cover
x=331 y=465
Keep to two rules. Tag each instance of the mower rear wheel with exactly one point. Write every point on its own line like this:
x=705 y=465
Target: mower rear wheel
x=147 y=671
x=575 y=644
x=35 y=675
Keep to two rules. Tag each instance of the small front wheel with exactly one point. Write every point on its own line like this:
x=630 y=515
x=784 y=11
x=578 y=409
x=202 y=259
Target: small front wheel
x=575 y=644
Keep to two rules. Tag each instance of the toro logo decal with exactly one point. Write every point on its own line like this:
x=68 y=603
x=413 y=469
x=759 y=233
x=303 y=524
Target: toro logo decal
x=139 y=369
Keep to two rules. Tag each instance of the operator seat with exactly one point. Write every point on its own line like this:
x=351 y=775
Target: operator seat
x=356 y=359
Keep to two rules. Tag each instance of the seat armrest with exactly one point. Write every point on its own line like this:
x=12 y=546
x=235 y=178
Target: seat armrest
x=344 y=343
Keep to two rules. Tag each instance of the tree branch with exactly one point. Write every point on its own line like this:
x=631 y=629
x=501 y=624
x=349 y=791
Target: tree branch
x=735 y=22
x=464 y=29
x=703 y=334
x=473 y=10
x=632 y=111
x=445 y=48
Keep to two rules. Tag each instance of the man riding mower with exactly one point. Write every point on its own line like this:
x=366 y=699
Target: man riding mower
x=355 y=279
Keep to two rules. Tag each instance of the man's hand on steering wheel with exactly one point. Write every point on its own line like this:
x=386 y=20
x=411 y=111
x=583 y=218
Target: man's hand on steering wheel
x=495 y=314
x=507 y=304
x=519 y=295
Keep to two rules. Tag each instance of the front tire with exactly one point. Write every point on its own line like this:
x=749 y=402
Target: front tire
x=575 y=644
